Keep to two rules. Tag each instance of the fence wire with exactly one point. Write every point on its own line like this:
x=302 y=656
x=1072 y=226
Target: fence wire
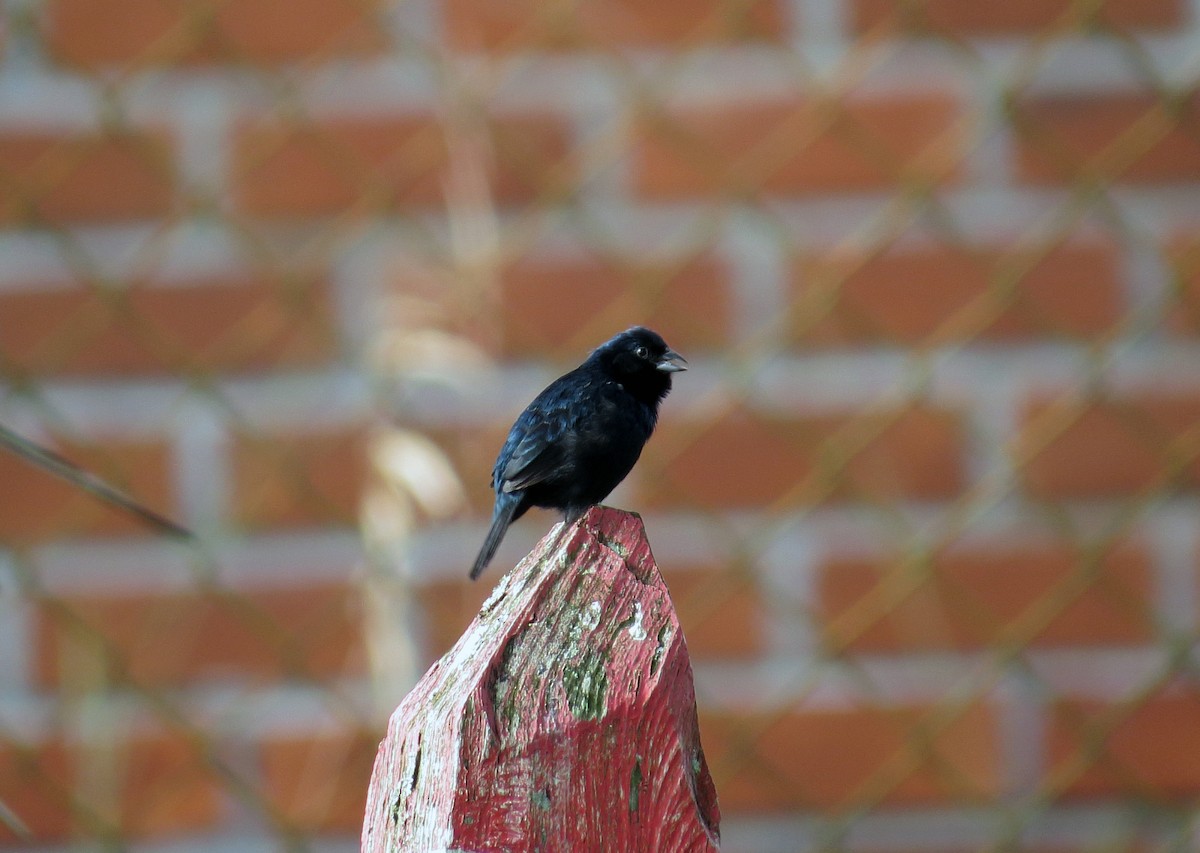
x=926 y=500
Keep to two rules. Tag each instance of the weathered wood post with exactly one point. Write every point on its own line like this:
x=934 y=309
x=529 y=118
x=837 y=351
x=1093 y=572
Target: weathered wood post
x=564 y=719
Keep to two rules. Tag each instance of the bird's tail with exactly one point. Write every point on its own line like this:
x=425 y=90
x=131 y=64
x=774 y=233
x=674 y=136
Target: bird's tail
x=502 y=517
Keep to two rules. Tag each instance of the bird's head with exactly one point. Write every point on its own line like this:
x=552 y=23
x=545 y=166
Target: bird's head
x=641 y=361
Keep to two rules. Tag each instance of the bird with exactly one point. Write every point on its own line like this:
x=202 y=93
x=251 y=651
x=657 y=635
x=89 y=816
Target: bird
x=582 y=435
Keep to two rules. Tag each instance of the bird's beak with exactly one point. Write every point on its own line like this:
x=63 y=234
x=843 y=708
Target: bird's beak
x=672 y=362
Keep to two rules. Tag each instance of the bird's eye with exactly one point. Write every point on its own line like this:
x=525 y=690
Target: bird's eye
x=641 y=352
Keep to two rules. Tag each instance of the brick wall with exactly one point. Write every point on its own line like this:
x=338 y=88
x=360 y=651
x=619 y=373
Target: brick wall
x=926 y=500
x=159 y=325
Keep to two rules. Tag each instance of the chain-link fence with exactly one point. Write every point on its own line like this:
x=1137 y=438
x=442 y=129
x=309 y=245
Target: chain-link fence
x=926 y=500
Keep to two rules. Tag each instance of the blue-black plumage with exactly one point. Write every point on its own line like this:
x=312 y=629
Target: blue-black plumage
x=582 y=435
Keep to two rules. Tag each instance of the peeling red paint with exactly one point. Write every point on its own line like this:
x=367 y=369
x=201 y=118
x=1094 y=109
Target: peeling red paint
x=563 y=719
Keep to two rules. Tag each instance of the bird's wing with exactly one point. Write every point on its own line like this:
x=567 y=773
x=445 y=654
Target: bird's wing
x=543 y=439
x=539 y=454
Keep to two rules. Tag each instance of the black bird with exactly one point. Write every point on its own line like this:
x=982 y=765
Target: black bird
x=579 y=438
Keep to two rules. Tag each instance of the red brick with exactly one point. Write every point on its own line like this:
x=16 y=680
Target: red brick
x=1147 y=751
x=370 y=164
x=833 y=760
x=472 y=453
x=1183 y=312
x=39 y=506
x=970 y=599
x=1082 y=847
x=36 y=788
x=319 y=782
x=721 y=613
x=1109 y=448
x=748 y=459
x=493 y=25
x=796 y=147
x=307 y=632
x=91 y=33
x=1128 y=137
x=1014 y=17
x=300 y=479
x=939 y=294
x=751 y=459
x=444 y=609
x=219 y=325
x=158 y=784
x=55 y=179
x=562 y=309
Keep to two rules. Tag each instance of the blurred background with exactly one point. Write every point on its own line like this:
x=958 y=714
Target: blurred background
x=927 y=501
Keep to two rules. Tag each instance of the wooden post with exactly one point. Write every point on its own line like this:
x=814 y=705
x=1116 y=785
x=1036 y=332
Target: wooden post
x=564 y=719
